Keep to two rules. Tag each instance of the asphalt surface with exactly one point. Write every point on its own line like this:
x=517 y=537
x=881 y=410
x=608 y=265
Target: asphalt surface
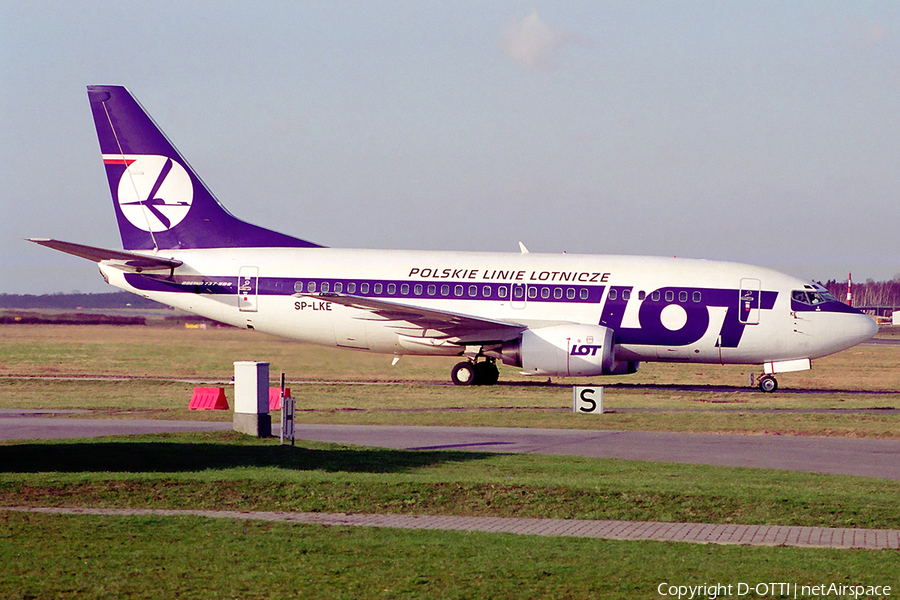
x=37 y=425
x=848 y=456
x=881 y=342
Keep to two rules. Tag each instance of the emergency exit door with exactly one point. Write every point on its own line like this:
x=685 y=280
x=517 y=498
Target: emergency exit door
x=248 y=278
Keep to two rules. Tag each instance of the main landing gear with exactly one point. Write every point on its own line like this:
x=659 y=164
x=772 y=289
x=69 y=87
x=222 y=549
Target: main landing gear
x=475 y=373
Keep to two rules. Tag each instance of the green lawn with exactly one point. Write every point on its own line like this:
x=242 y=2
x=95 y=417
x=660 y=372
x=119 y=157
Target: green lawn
x=46 y=556
x=61 y=556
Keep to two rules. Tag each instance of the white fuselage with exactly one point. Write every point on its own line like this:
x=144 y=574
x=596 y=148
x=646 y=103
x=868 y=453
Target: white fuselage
x=667 y=309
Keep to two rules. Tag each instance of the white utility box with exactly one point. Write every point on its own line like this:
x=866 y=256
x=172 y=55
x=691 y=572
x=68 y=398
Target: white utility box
x=251 y=398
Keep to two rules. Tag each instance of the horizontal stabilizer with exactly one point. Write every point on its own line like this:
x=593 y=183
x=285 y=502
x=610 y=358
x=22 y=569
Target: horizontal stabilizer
x=138 y=262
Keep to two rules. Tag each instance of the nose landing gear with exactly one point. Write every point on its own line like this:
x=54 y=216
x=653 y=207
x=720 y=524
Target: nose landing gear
x=768 y=384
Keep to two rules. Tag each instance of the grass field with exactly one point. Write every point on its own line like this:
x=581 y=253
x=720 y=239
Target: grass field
x=144 y=372
x=147 y=557
x=150 y=372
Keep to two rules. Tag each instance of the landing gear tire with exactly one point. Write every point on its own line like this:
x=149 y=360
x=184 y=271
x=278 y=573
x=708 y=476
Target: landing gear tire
x=463 y=374
x=469 y=373
x=768 y=384
x=486 y=373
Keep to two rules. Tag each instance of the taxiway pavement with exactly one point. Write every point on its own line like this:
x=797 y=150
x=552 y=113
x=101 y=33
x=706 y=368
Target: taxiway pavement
x=848 y=456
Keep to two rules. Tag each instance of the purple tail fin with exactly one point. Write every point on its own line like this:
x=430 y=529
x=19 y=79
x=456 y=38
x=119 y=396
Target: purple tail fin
x=160 y=202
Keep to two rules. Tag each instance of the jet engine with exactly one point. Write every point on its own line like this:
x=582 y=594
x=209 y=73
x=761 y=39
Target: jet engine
x=565 y=351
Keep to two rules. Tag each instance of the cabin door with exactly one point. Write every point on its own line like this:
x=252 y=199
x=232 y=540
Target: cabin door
x=748 y=310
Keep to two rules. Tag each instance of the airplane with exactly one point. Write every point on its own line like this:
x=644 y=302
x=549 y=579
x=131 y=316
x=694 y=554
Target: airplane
x=551 y=315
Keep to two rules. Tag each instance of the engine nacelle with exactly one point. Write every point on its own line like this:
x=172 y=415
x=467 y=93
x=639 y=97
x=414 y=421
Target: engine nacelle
x=566 y=351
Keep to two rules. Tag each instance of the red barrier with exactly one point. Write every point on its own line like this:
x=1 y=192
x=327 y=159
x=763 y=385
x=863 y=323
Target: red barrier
x=275 y=397
x=208 y=398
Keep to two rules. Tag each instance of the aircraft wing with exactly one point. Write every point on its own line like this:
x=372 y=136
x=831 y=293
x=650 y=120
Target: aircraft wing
x=416 y=321
x=122 y=258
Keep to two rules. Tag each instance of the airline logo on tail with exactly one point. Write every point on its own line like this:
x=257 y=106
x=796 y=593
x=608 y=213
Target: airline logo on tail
x=154 y=192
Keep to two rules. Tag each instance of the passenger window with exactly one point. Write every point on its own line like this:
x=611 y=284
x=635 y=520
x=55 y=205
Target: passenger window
x=432 y=289
x=654 y=295
x=298 y=286
x=351 y=288
x=458 y=291
x=311 y=287
x=378 y=288
x=486 y=291
x=682 y=296
x=613 y=295
x=326 y=287
x=670 y=296
x=570 y=293
x=417 y=289
x=338 y=287
x=404 y=288
x=364 y=288
x=584 y=293
x=392 y=289
x=518 y=293
x=626 y=294
x=697 y=296
x=545 y=293
x=502 y=292
x=642 y=294
x=532 y=292
x=557 y=293
x=445 y=290
x=473 y=291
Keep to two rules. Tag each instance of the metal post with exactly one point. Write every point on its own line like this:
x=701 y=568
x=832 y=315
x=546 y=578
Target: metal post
x=287 y=415
x=283 y=408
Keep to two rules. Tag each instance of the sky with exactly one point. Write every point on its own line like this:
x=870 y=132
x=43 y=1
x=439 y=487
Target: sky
x=763 y=132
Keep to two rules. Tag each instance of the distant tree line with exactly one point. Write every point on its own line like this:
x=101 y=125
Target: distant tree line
x=69 y=319
x=77 y=301
x=869 y=293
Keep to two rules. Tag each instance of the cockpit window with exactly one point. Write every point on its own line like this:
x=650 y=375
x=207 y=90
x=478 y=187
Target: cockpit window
x=812 y=298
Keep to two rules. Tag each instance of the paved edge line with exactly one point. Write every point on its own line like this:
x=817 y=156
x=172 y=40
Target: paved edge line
x=703 y=533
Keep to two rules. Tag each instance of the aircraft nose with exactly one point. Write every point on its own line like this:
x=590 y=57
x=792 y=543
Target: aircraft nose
x=863 y=328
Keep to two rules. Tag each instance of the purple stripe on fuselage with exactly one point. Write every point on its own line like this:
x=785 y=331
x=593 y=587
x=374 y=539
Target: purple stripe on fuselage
x=373 y=288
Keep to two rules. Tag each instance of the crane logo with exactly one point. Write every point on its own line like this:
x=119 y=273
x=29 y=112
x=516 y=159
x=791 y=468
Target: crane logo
x=155 y=192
